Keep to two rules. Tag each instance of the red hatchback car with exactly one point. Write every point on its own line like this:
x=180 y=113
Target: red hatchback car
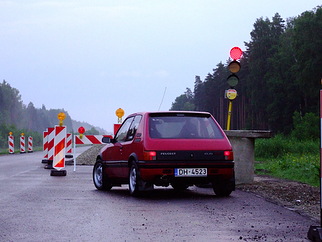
x=180 y=149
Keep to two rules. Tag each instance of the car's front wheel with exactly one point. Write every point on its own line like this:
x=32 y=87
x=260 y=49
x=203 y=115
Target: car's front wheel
x=134 y=179
x=100 y=179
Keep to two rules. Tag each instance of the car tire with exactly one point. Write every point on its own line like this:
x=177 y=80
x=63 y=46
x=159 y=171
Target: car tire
x=223 y=188
x=134 y=180
x=100 y=179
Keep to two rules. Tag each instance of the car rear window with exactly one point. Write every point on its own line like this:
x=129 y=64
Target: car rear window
x=183 y=126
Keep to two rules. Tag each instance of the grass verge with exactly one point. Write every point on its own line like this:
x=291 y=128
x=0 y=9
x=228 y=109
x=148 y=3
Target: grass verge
x=5 y=151
x=289 y=158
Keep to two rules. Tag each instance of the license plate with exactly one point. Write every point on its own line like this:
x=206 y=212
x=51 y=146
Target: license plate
x=190 y=172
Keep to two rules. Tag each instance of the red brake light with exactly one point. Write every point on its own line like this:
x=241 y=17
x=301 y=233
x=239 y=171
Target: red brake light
x=229 y=155
x=150 y=155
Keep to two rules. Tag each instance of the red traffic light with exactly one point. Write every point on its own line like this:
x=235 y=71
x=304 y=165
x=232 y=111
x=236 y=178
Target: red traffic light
x=81 y=130
x=236 y=53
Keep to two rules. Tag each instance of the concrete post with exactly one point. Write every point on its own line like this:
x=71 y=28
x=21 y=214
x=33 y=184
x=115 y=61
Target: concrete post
x=243 y=143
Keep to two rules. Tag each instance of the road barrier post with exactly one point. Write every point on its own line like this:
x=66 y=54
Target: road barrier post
x=50 y=146
x=45 y=146
x=30 y=144
x=69 y=145
x=22 y=144
x=11 y=143
x=59 y=151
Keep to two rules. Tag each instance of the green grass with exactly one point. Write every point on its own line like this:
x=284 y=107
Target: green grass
x=289 y=159
x=4 y=151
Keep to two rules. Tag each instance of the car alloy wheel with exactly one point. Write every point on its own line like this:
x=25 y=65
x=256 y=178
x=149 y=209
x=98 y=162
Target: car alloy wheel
x=100 y=180
x=98 y=175
x=133 y=180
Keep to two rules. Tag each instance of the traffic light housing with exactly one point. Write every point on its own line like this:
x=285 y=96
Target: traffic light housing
x=234 y=66
x=232 y=80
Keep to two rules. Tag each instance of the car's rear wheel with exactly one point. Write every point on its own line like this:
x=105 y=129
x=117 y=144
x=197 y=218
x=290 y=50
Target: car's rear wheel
x=100 y=179
x=223 y=188
x=134 y=180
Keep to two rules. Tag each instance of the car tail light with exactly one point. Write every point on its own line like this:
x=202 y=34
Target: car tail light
x=150 y=155
x=229 y=155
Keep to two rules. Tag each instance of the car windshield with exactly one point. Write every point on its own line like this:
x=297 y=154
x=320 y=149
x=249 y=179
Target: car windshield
x=183 y=126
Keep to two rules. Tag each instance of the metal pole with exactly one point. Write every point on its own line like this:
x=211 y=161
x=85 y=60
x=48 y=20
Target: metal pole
x=321 y=156
x=74 y=151
x=230 y=107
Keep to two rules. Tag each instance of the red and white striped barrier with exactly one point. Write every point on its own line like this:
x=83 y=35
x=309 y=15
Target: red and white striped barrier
x=87 y=139
x=30 y=144
x=57 y=142
x=69 y=145
x=45 y=146
x=50 y=147
x=59 y=147
x=22 y=144
x=11 y=144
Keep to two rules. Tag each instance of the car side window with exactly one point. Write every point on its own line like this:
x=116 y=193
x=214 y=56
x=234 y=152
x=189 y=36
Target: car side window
x=134 y=127
x=123 y=131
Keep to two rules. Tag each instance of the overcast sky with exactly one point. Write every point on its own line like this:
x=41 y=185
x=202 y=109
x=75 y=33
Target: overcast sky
x=91 y=57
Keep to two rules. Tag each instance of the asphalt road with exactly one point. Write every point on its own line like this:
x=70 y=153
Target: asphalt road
x=38 y=207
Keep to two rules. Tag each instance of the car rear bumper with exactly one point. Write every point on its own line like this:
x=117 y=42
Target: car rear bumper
x=152 y=171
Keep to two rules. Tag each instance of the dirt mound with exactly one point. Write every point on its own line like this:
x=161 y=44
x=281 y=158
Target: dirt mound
x=89 y=156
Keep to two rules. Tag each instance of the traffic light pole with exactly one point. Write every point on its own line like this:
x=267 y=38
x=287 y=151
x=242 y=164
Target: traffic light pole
x=230 y=107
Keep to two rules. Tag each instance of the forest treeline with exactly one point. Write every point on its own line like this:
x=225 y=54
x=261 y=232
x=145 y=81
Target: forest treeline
x=18 y=118
x=279 y=80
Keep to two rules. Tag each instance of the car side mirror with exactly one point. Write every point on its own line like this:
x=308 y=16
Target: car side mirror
x=106 y=140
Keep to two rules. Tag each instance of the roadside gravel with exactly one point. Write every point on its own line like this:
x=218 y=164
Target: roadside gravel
x=296 y=196
x=89 y=156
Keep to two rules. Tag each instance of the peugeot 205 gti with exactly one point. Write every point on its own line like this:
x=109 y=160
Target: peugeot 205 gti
x=180 y=149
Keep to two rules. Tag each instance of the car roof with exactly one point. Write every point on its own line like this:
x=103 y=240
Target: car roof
x=169 y=112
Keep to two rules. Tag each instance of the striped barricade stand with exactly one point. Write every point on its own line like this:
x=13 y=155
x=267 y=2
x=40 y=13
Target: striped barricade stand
x=22 y=144
x=87 y=139
x=45 y=146
x=30 y=144
x=69 y=145
x=59 y=151
x=11 y=144
x=50 y=147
